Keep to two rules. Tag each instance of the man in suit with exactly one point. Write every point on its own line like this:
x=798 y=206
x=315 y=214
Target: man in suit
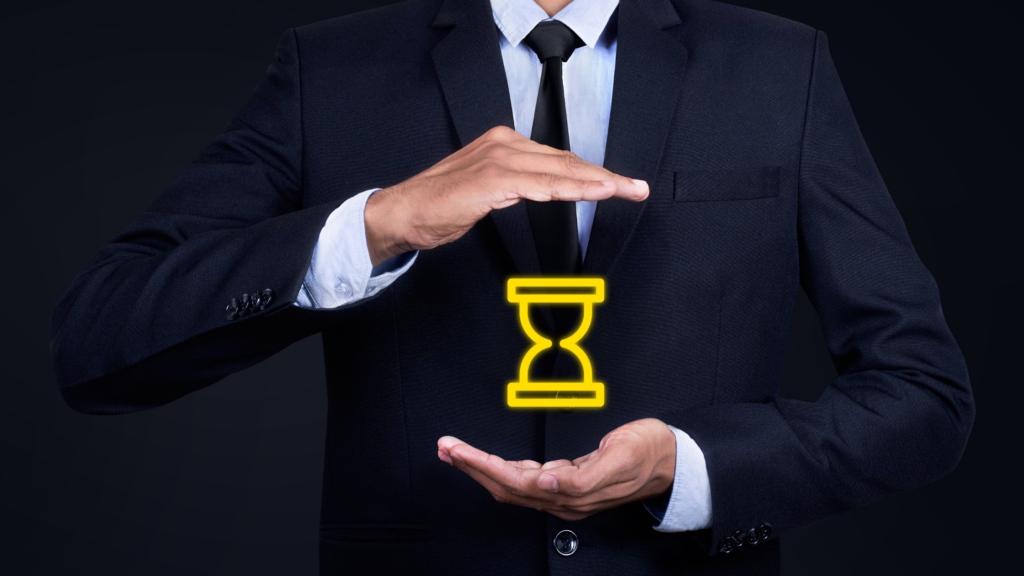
x=397 y=166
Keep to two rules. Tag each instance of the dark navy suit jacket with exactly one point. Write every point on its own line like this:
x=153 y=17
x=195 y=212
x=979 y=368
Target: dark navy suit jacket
x=760 y=182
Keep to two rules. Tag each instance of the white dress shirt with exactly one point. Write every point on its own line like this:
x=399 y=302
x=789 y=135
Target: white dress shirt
x=341 y=272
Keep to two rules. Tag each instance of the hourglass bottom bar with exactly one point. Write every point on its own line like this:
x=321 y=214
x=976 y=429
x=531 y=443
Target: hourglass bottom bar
x=532 y=395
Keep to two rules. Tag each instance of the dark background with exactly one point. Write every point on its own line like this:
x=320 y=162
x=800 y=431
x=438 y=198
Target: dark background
x=103 y=103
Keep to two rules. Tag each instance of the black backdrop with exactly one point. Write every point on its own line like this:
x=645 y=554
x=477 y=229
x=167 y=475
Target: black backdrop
x=103 y=103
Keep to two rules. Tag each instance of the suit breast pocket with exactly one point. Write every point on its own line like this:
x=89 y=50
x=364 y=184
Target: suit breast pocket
x=723 y=185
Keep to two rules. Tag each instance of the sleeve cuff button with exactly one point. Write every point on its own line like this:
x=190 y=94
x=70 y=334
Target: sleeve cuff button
x=231 y=311
x=727 y=544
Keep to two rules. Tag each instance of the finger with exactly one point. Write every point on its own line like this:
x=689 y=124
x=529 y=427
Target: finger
x=448 y=441
x=566 y=510
x=499 y=492
x=555 y=464
x=544 y=187
x=520 y=482
x=528 y=464
x=565 y=163
x=445 y=445
x=579 y=461
x=489 y=469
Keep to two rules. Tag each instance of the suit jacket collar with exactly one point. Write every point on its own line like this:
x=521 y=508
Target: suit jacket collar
x=648 y=78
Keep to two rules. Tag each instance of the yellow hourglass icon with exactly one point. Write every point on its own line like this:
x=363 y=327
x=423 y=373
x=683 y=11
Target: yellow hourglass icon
x=582 y=291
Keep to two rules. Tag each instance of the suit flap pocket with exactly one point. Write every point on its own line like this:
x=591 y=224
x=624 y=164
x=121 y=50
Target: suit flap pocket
x=709 y=185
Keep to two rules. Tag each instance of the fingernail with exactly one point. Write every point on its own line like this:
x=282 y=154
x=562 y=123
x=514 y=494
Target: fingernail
x=443 y=455
x=644 y=188
x=548 y=482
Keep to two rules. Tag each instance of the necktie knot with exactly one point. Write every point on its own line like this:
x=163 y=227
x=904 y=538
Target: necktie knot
x=552 y=39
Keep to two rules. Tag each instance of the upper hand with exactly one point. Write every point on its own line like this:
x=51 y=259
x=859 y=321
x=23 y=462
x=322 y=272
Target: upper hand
x=633 y=462
x=494 y=171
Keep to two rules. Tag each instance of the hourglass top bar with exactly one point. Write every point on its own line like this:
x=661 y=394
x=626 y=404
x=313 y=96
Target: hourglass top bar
x=556 y=290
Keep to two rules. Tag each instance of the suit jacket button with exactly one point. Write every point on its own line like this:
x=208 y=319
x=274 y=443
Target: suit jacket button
x=566 y=542
x=727 y=544
x=564 y=394
x=246 y=304
x=753 y=537
x=231 y=312
x=739 y=537
x=764 y=531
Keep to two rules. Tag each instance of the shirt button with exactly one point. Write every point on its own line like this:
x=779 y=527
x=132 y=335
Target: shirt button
x=566 y=542
x=343 y=289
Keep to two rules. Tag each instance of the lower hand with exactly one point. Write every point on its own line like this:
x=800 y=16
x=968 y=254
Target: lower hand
x=494 y=171
x=633 y=462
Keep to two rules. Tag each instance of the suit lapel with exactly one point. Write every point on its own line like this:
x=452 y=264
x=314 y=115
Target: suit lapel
x=649 y=65
x=648 y=78
x=472 y=75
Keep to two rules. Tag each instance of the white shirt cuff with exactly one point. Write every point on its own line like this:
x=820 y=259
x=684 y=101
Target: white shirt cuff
x=340 y=272
x=689 y=507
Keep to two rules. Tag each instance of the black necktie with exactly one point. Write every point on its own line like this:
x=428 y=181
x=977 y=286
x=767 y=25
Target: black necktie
x=553 y=223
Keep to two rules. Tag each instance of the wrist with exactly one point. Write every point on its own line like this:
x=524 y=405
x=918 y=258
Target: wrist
x=382 y=223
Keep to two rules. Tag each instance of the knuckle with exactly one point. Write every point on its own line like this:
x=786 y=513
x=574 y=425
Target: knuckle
x=498 y=132
x=550 y=183
x=494 y=150
x=574 y=166
x=571 y=161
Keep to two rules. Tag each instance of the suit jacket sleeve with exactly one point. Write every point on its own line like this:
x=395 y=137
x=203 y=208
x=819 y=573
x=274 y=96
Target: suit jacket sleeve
x=145 y=322
x=900 y=411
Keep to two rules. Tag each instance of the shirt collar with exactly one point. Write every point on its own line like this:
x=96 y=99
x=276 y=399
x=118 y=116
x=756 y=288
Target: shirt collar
x=587 y=18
